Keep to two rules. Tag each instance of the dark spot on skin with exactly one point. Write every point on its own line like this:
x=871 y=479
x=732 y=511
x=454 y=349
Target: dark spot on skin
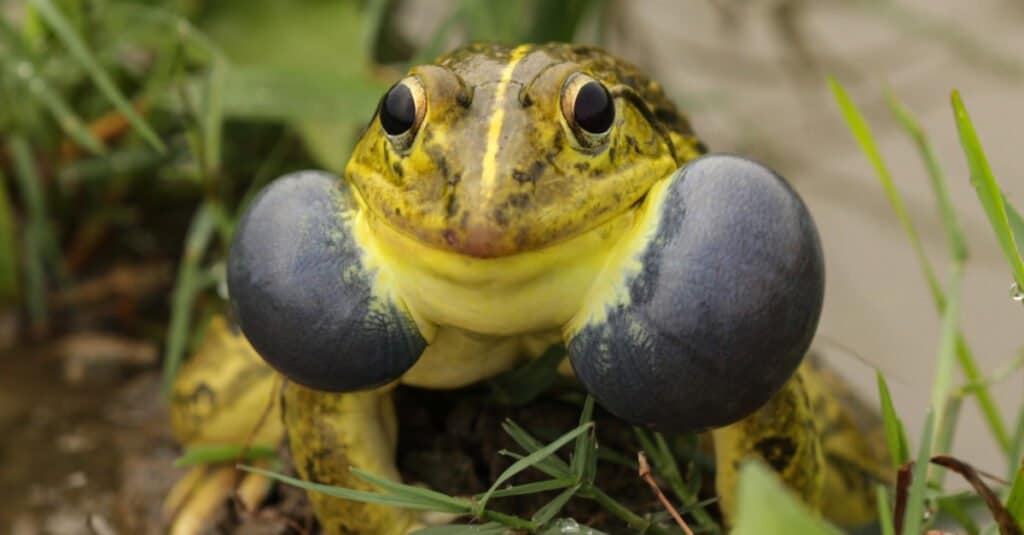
x=525 y=100
x=428 y=135
x=398 y=211
x=442 y=166
x=776 y=451
x=531 y=174
x=519 y=200
x=500 y=217
x=454 y=179
x=397 y=166
x=464 y=98
x=449 y=237
x=581 y=167
x=611 y=155
x=453 y=206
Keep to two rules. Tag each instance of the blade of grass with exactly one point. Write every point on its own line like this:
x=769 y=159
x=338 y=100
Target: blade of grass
x=884 y=510
x=490 y=528
x=213 y=118
x=553 y=466
x=943 y=381
x=895 y=434
x=550 y=509
x=185 y=288
x=37 y=231
x=40 y=89
x=8 y=245
x=360 y=495
x=222 y=454
x=987 y=188
x=530 y=460
x=400 y=489
x=1015 y=501
x=765 y=506
x=66 y=33
x=585 y=445
x=915 y=501
x=940 y=186
x=532 y=488
x=862 y=134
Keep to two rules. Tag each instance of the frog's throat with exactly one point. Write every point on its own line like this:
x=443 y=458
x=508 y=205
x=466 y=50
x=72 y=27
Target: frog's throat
x=567 y=283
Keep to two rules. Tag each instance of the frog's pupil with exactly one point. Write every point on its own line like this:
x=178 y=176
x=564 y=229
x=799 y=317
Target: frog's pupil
x=398 y=113
x=594 y=110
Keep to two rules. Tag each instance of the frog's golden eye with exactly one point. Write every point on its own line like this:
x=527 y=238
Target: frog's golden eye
x=588 y=108
x=402 y=110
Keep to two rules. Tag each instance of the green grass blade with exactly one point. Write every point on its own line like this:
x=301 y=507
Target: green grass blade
x=765 y=506
x=987 y=188
x=553 y=466
x=409 y=491
x=862 y=134
x=532 y=459
x=895 y=434
x=585 y=446
x=213 y=118
x=8 y=245
x=223 y=454
x=357 y=495
x=490 y=528
x=532 y=488
x=38 y=236
x=884 y=510
x=550 y=509
x=918 y=485
x=185 y=288
x=939 y=183
x=943 y=381
x=66 y=33
x=40 y=89
x=1015 y=501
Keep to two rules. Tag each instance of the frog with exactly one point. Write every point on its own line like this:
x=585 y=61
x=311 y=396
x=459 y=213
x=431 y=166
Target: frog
x=507 y=199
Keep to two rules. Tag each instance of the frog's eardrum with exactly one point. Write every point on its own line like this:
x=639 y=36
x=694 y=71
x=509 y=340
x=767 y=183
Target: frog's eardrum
x=713 y=310
x=303 y=293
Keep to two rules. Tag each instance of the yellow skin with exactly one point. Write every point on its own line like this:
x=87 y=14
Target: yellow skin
x=491 y=280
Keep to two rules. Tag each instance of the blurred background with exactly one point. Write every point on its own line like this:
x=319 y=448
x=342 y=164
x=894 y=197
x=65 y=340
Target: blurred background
x=132 y=133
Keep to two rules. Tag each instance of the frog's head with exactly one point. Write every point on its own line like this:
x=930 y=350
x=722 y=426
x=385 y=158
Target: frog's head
x=493 y=151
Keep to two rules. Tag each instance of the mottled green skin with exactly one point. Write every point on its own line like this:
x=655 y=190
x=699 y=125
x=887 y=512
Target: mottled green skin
x=541 y=186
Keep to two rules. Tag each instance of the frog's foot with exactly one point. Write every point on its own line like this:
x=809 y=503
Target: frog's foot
x=192 y=505
x=706 y=309
x=224 y=394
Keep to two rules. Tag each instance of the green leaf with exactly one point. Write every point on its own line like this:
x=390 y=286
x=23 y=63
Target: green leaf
x=8 y=264
x=222 y=454
x=186 y=287
x=585 y=448
x=942 y=385
x=1015 y=501
x=552 y=466
x=523 y=384
x=884 y=510
x=401 y=489
x=532 y=488
x=895 y=434
x=490 y=528
x=940 y=186
x=918 y=484
x=550 y=509
x=531 y=460
x=987 y=188
x=408 y=502
x=765 y=506
x=66 y=33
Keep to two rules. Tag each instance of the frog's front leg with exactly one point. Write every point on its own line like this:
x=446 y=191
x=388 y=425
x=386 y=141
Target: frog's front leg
x=329 y=433
x=706 y=309
x=317 y=306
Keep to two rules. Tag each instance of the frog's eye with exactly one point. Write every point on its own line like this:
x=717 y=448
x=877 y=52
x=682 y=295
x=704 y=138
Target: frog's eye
x=402 y=110
x=588 y=108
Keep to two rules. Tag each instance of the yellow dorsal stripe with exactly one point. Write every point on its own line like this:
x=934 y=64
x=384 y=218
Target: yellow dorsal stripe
x=489 y=170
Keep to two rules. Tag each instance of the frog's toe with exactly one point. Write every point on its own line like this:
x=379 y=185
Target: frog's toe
x=307 y=293
x=709 y=305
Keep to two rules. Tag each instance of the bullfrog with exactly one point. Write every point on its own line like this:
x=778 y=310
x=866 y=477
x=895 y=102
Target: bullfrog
x=503 y=200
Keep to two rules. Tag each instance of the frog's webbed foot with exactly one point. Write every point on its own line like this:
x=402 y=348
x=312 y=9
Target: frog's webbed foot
x=222 y=396
x=707 y=308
